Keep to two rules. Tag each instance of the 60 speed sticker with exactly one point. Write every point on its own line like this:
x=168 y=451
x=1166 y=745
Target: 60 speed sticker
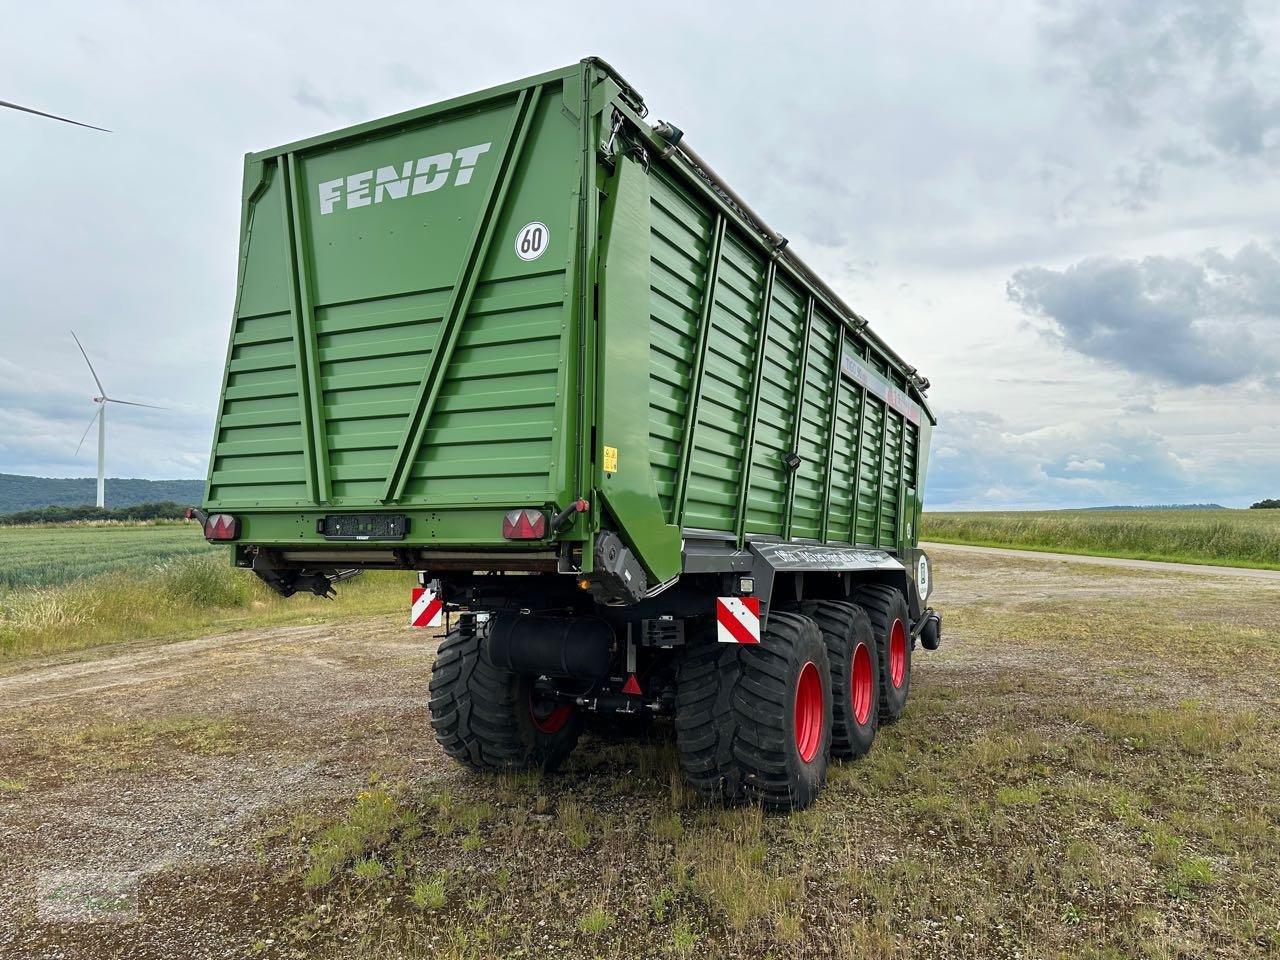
x=532 y=240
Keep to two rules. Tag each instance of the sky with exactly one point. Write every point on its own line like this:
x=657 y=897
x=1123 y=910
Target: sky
x=1066 y=214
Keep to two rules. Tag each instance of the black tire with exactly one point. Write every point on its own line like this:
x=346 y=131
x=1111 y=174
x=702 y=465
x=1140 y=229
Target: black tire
x=855 y=686
x=887 y=608
x=490 y=718
x=737 y=718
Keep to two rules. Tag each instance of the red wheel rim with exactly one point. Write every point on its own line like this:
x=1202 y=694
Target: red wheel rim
x=808 y=712
x=861 y=684
x=549 y=716
x=897 y=654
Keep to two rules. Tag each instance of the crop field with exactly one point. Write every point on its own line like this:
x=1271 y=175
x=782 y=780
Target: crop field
x=77 y=586
x=1088 y=768
x=42 y=556
x=1237 y=538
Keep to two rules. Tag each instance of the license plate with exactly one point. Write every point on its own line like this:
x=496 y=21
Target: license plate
x=363 y=526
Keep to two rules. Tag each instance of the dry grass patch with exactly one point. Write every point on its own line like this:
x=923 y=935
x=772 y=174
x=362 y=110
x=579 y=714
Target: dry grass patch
x=176 y=598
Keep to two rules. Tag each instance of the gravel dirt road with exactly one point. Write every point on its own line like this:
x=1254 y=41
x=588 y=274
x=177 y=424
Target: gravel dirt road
x=155 y=773
x=1197 y=569
x=158 y=801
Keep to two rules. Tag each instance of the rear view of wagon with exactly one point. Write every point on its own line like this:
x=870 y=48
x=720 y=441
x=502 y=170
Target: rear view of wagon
x=648 y=466
x=401 y=349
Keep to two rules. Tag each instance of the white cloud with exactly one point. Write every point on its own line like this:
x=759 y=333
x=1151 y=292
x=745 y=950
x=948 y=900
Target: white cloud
x=1086 y=465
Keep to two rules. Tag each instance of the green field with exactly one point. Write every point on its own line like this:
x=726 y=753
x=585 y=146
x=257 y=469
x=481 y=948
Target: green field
x=75 y=586
x=1235 y=538
x=42 y=556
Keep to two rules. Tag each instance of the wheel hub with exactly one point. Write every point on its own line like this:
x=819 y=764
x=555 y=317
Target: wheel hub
x=862 y=684
x=808 y=719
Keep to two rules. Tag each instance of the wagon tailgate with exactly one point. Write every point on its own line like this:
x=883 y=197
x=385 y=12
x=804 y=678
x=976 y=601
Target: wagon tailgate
x=392 y=345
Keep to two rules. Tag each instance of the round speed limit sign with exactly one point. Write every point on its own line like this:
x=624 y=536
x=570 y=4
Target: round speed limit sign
x=532 y=240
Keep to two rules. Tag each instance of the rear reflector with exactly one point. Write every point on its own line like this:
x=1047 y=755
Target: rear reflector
x=524 y=525
x=221 y=526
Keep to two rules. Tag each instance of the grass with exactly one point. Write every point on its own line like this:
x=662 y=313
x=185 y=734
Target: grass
x=53 y=554
x=179 y=597
x=1239 y=538
x=1079 y=774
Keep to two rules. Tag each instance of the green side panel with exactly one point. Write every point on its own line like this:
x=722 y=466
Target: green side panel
x=630 y=491
x=680 y=244
x=844 y=463
x=815 y=417
x=892 y=482
x=910 y=467
x=869 y=474
x=718 y=459
x=779 y=388
x=922 y=469
x=259 y=449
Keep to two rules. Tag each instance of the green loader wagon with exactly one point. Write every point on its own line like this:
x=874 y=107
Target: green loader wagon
x=644 y=460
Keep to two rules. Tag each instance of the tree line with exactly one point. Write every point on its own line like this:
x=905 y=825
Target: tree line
x=167 y=510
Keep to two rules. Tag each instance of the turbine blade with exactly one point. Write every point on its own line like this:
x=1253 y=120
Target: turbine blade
x=101 y=388
x=51 y=116
x=130 y=403
x=92 y=420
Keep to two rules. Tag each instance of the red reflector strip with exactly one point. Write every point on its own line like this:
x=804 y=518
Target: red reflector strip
x=524 y=525
x=427 y=610
x=221 y=526
x=738 y=619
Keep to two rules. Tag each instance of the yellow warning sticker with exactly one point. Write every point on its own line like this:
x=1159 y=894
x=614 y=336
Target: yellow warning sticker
x=610 y=459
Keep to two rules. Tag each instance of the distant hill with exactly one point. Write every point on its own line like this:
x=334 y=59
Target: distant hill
x=1165 y=506
x=32 y=493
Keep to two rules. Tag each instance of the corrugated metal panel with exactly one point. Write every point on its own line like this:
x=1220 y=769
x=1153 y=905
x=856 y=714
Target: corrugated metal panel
x=380 y=276
x=815 y=426
x=909 y=456
x=844 y=463
x=259 y=449
x=910 y=464
x=495 y=423
x=717 y=457
x=869 y=471
x=889 y=487
x=779 y=388
x=372 y=354
x=680 y=238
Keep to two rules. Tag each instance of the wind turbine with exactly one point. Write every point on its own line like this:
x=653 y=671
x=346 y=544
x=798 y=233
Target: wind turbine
x=101 y=416
x=51 y=116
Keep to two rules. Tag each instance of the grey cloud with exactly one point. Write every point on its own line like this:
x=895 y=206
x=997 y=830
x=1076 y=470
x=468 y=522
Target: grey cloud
x=1211 y=320
x=405 y=77
x=341 y=108
x=1128 y=52
x=1242 y=122
x=1136 y=184
x=1183 y=83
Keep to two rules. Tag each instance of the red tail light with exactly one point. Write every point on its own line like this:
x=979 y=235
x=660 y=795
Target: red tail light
x=221 y=526
x=524 y=525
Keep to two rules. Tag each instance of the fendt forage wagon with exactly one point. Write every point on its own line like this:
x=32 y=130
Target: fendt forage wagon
x=644 y=460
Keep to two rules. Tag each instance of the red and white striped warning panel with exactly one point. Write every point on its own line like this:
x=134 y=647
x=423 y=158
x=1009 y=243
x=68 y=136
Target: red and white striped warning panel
x=738 y=619
x=427 y=609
